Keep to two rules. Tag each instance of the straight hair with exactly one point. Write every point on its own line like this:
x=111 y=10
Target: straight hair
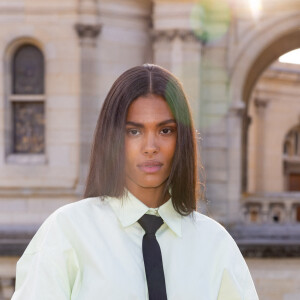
x=106 y=175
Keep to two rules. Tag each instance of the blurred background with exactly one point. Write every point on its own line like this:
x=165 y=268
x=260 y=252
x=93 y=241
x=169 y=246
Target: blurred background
x=238 y=61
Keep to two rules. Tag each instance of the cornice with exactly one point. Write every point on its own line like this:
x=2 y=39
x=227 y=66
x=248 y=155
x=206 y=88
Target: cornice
x=39 y=10
x=122 y=11
x=38 y=192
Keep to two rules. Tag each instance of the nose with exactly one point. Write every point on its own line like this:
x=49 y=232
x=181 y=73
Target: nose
x=150 y=144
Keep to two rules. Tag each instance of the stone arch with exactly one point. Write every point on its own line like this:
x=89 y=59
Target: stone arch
x=264 y=46
x=289 y=41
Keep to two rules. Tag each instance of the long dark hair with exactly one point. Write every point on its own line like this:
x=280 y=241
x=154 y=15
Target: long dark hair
x=107 y=163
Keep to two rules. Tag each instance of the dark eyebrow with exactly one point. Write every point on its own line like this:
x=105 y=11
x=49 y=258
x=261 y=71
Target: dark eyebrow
x=139 y=125
x=167 y=122
x=135 y=124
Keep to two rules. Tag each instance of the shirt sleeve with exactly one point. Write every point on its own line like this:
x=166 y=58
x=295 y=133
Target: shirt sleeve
x=49 y=268
x=236 y=281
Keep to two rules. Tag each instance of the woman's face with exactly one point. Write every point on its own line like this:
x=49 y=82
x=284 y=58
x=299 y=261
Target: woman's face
x=150 y=142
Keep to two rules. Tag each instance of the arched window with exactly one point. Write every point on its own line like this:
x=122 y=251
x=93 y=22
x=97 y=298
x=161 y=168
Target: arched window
x=291 y=159
x=292 y=142
x=27 y=100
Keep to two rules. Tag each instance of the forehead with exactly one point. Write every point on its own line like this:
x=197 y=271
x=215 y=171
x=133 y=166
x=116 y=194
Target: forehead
x=150 y=107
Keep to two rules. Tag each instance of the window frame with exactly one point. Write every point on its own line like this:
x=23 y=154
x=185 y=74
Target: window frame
x=11 y=98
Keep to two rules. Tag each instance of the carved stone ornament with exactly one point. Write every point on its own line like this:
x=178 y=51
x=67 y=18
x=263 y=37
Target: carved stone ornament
x=237 y=109
x=88 y=30
x=261 y=103
x=170 y=34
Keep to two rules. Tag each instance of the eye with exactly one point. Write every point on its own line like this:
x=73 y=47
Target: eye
x=167 y=130
x=133 y=132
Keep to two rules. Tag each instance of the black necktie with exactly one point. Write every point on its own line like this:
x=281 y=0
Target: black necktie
x=152 y=258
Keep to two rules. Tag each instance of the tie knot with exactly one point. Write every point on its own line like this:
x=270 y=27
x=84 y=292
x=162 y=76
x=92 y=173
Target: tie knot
x=150 y=223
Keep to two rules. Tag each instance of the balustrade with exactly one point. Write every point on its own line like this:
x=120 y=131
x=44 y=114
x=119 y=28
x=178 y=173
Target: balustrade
x=272 y=208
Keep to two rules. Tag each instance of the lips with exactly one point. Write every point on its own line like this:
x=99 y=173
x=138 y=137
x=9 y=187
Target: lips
x=151 y=166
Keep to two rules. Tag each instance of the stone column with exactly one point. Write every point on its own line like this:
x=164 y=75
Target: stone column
x=177 y=47
x=88 y=30
x=234 y=129
x=261 y=105
x=179 y=50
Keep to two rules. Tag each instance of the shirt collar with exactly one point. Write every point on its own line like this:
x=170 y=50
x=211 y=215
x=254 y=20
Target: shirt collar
x=129 y=210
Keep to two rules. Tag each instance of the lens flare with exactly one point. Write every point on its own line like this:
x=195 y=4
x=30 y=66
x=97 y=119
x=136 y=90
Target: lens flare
x=210 y=21
x=197 y=20
x=256 y=8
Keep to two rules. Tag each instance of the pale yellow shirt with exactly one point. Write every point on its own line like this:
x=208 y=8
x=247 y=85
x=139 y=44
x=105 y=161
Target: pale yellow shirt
x=92 y=250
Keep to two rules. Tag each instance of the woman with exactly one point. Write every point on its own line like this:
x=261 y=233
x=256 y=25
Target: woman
x=142 y=175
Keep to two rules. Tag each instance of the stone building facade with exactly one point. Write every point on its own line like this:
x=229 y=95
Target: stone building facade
x=58 y=60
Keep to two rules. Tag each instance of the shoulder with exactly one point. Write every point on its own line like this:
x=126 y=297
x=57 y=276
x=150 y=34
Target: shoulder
x=64 y=225
x=206 y=228
x=203 y=222
x=83 y=214
x=215 y=242
x=88 y=209
x=77 y=206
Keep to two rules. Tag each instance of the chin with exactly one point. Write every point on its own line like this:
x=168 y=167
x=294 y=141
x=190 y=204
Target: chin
x=151 y=183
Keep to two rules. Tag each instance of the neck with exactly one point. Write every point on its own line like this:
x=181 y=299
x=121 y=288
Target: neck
x=152 y=197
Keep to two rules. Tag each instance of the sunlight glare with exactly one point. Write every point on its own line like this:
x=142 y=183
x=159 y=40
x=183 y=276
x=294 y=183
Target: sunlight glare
x=292 y=57
x=256 y=8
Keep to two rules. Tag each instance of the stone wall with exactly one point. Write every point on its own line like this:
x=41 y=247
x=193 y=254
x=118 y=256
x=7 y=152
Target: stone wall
x=32 y=186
